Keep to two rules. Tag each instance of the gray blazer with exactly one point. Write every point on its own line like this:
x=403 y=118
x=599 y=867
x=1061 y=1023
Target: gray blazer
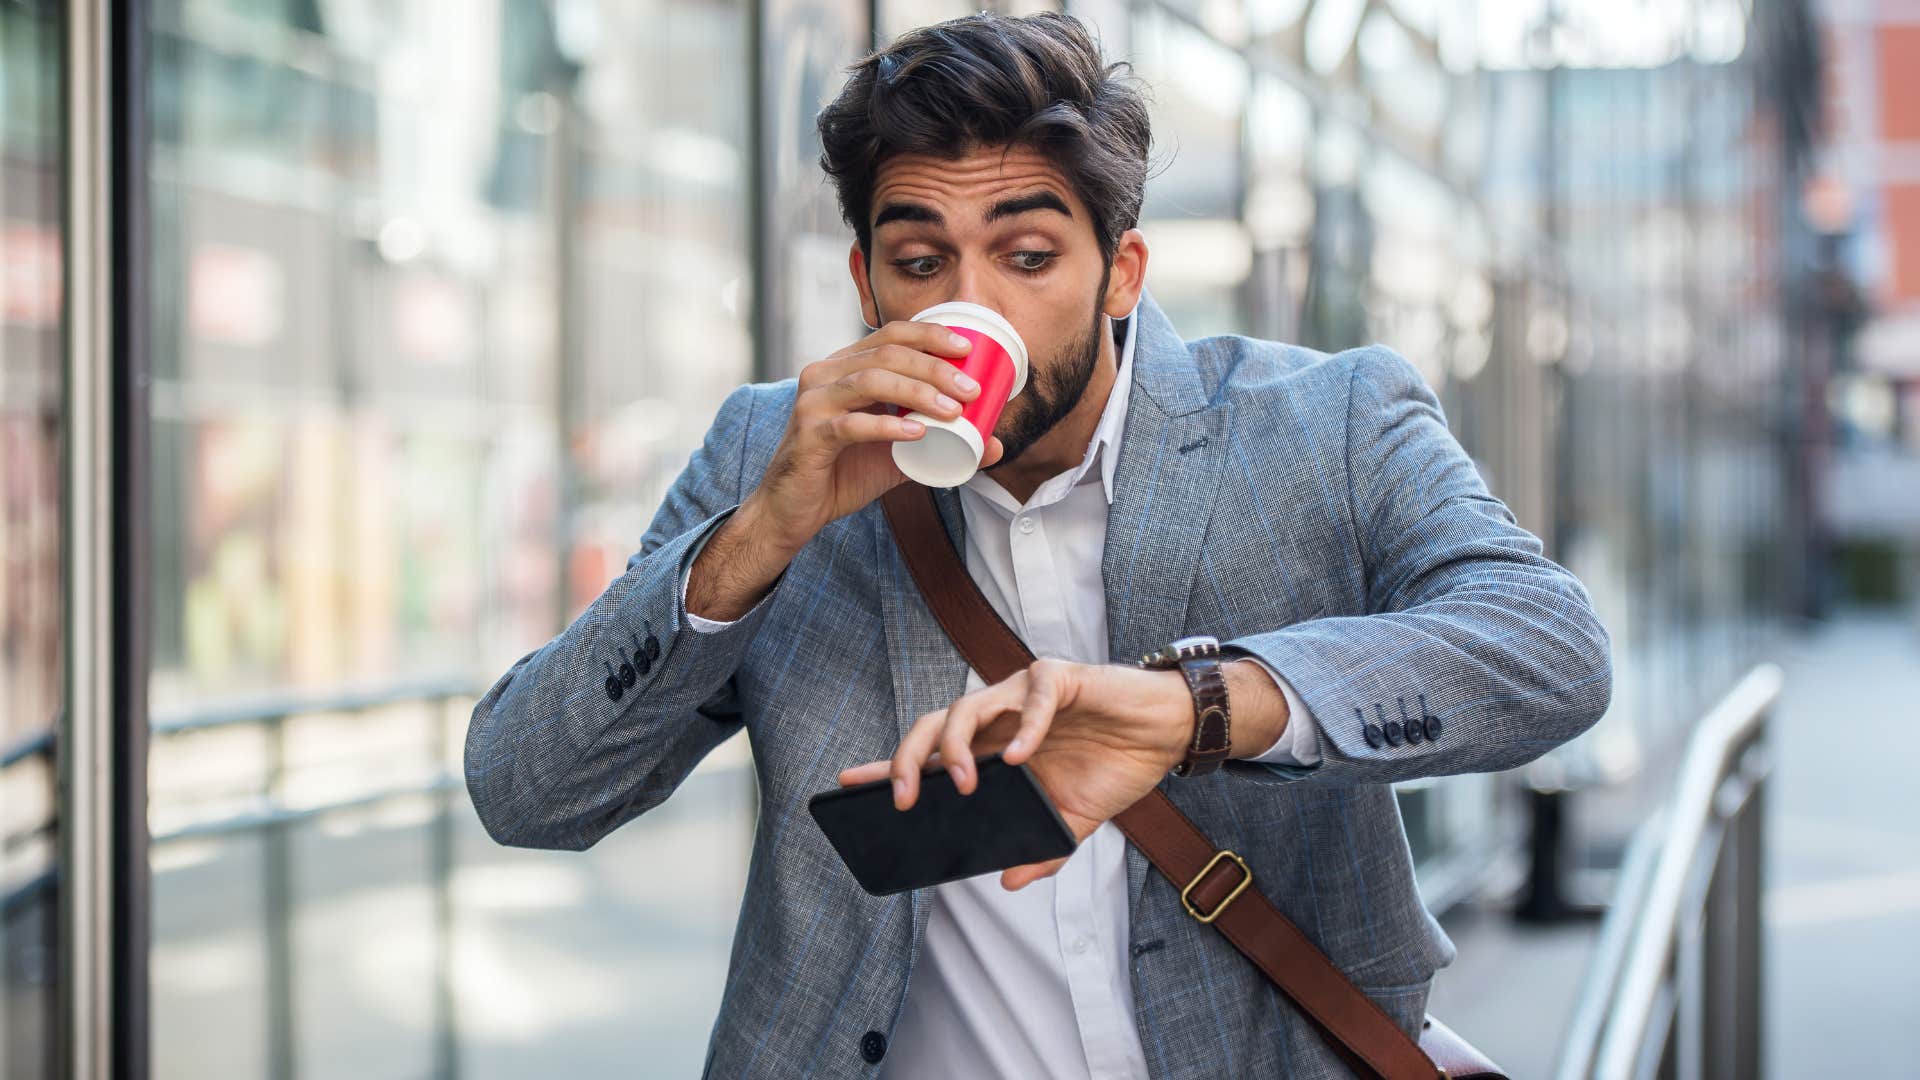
x=1312 y=510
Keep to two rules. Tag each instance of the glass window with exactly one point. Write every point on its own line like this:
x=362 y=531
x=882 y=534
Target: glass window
x=896 y=17
x=1279 y=209
x=1200 y=252
x=32 y=626
x=445 y=295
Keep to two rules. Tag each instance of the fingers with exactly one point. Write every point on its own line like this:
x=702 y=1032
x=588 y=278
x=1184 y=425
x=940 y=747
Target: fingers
x=911 y=755
x=1015 y=878
x=865 y=774
x=995 y=450
x=1036 y=693
x=849 y=428
x=911 y=389
x=925 y=351
x=956 y=738
x=951 y=731
x=925 y=336
x=1045 y=684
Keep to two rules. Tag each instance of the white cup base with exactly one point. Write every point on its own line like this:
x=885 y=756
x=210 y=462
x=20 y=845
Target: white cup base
x=946 y=455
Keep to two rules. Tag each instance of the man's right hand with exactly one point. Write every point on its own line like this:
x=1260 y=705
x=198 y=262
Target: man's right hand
x=836 y=456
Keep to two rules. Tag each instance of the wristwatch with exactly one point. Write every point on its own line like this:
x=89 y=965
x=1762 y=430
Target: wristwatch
x=1198 y=658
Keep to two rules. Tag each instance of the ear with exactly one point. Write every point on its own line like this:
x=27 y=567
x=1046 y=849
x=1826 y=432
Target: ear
x=1129 y=275
x=857 y=266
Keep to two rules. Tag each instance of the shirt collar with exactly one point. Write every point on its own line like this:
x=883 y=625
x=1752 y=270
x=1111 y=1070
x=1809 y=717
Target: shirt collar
x=1113 y=419
x=1104 y=447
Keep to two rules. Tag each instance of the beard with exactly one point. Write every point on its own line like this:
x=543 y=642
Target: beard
x=1053 y=391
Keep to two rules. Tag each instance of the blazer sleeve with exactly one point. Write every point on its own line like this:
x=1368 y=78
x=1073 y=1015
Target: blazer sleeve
x=554 y=757
x=1476 y=652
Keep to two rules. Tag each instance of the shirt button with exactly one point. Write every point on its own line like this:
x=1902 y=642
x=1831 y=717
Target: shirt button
x=1026 y=525
x=1079 y=945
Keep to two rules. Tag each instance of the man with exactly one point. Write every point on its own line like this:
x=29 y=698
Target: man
x=1381 y=617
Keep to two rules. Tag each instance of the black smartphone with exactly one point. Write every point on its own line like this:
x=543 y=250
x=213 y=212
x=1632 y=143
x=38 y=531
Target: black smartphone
x=944 y=835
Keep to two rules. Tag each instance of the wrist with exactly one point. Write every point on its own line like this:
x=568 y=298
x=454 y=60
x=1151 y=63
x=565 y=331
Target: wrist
x=1259 y=709
x=1177 y=717
x=736 y=568
x=762 y=529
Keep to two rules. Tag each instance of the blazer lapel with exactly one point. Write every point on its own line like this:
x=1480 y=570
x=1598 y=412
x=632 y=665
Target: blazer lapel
x=1171 y=456
x=928 y=671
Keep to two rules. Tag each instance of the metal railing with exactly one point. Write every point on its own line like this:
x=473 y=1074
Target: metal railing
x=1675 y=985
x=271 y=815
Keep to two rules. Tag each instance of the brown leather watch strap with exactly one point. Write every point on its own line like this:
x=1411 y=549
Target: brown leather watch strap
x=1212 y=741
x=1215 y=886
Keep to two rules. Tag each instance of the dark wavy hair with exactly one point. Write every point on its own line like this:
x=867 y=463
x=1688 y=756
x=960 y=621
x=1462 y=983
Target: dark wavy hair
x=993 y=80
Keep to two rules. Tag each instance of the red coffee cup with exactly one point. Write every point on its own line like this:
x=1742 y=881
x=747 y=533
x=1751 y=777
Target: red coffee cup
x=949 y=453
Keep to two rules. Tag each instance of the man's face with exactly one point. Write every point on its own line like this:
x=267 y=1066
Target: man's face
x=1007 y=234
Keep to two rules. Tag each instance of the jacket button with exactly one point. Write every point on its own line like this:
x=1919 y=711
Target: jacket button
x=651 y=649
x=1408 y=724
x=873 y=1047
x=1387 y=727
x=641 y=661
x=627 y=675
x=1433 y=728
x=614 y=688
x=1372 y=730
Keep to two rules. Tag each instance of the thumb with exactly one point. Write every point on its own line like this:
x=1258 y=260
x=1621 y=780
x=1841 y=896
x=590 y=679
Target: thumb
x=1019 y=877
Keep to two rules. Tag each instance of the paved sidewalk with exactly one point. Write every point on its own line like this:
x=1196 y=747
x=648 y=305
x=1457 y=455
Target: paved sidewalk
x=1843 y=897
x=1843 y=881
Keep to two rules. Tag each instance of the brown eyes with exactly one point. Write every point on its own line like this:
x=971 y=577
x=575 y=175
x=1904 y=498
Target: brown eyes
x=1027 y=262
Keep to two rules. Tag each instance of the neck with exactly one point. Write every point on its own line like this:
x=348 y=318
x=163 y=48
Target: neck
x=1063 y=447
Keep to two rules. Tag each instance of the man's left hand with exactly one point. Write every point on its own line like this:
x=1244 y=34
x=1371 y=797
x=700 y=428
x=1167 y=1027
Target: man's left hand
x=1098 y=737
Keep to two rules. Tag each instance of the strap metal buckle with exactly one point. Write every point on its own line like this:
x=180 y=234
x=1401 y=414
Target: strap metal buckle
x=1246 y=879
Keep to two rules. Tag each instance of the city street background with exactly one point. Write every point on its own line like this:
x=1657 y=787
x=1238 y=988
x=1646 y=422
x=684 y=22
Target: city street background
x=434 y=299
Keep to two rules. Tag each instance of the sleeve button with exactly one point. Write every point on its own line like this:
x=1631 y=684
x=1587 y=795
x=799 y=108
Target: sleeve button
x=651 y=650
x=627 y=675
x=614 y=689
x=1388 y=728
x=1372 y=730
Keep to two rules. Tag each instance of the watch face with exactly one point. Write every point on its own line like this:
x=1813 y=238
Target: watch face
x=1197 y=644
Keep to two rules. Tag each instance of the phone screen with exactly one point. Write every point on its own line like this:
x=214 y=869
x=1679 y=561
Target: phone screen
x=944 y=836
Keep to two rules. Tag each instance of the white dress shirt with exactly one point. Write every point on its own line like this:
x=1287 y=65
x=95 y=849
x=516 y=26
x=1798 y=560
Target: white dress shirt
x=1036 y=982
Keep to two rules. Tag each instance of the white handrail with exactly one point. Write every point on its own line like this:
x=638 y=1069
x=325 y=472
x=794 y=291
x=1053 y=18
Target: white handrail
x=1724 y=765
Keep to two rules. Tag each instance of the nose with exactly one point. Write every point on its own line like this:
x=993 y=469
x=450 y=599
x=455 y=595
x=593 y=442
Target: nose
x=971 y=284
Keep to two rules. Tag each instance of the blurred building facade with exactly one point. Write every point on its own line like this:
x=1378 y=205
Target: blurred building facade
x=440 y=296
x=1863 y=201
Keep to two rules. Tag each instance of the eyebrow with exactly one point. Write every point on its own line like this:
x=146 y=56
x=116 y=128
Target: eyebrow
x=1005 y=208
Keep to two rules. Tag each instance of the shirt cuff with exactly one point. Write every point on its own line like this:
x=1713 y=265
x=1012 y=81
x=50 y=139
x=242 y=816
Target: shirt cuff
x=1298 y=744
x=700 y=625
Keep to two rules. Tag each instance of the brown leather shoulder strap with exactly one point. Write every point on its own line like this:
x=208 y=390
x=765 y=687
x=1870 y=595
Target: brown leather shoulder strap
x=988 y=643
x=1171 y=842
